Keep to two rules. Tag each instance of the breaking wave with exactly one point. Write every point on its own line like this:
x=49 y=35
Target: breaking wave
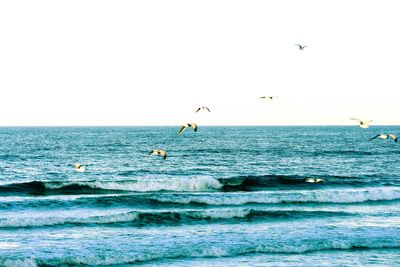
x=275 y=197
x=189 y=184
x=204 y=251
x=165 y=217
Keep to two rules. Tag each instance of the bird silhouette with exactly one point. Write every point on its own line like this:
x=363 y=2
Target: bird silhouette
x=362 y=124
x=384 y=136
x=161 y=152
x=301 y=47
x=200 y=108
x=193 y=125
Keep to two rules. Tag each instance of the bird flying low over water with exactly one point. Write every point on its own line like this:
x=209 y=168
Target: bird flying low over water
x=193 y=125
x=301 y=47
x=161 y=152
x=269 y=97
x=79 y=167
x=314 y=180
x=200 y=108
x=361 y=123
x=385 y=136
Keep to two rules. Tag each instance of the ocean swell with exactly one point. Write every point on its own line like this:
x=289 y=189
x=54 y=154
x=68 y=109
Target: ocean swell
x=274 y=197
x=166 y=217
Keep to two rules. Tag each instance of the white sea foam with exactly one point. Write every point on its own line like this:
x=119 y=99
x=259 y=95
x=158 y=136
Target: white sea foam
x=272 y=197
x=202 y=183
x=202 y=251
x=219 y=213
x=130 y=216
x=29 y=262
x=9 y=245
x=37 y=221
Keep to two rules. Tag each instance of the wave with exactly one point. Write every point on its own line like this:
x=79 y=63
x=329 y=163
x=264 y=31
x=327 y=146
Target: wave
x=192 y=184
x=168 y=217
x=277 y=197
x=105 y=187
x=261 y=182
x=176 y=200
x=344 y=153
x=49 y=188
x=203 y=251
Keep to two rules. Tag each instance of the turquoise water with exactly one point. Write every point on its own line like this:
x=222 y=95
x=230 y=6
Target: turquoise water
x=225 y=196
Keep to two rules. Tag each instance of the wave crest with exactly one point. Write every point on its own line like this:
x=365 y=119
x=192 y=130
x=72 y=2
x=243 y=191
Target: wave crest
x=276 y=197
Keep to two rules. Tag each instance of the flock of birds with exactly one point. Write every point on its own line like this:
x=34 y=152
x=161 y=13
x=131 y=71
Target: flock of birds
x=365 y=125
x=163 y=153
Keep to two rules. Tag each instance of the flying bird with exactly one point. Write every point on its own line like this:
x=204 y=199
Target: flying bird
x=385 y=136
x=301 y=47
x=161 y=152
x=200 y=108
x=314 y=180
x=361 y=123
x=79 y=167
x=193 y=125
x=268 y=97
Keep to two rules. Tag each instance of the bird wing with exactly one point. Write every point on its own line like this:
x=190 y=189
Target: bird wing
x=207 y=109
x=163 y=153
x=151 y=152
x=262 y=97
x=355 y=119
x=182 y=129
x=198 y=110
x=366 y=122
x=194 y=126
x=376 y=136
x=393 y=136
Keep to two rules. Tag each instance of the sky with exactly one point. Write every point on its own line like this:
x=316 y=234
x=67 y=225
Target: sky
x=154 y=62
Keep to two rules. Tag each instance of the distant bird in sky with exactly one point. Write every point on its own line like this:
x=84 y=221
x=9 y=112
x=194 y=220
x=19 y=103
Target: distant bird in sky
x=362 y=124
x=161 y=152
x=200 y=108
x=79 y=167
x=269 y=97
x=193 y=125
x=385 y=136
x=301 y=47
x=314 y=180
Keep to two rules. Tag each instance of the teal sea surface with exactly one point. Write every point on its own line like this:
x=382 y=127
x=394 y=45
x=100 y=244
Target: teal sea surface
x=224 y=196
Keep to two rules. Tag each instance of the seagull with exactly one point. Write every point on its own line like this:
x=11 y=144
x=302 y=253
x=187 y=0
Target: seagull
x=268 y=97
x=193 y=125
x=301 y=47
x=362 y=124
x=200 y=108
x=79 y=167
x=163 y=153
x=385 y=136
x=314 y=180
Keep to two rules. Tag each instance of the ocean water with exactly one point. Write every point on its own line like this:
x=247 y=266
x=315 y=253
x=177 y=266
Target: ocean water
x=225 y=196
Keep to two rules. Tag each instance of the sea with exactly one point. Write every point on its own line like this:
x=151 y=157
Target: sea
x=224 y=196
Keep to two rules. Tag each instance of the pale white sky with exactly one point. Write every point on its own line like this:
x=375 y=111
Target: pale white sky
x=154 y=62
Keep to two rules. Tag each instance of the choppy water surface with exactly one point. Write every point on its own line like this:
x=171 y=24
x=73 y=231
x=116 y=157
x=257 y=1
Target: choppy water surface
x=225 y=196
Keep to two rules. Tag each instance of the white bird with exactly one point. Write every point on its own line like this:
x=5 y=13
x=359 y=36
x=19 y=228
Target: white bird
x=314 y=180
x=385 y=136
x=193 y=125
x=79 y=167
x=161 y=152
x=301 y=47
x=200 y=108
x=361 y=123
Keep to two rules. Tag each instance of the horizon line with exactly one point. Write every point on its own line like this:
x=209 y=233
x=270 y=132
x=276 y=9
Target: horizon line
x=205 y=125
